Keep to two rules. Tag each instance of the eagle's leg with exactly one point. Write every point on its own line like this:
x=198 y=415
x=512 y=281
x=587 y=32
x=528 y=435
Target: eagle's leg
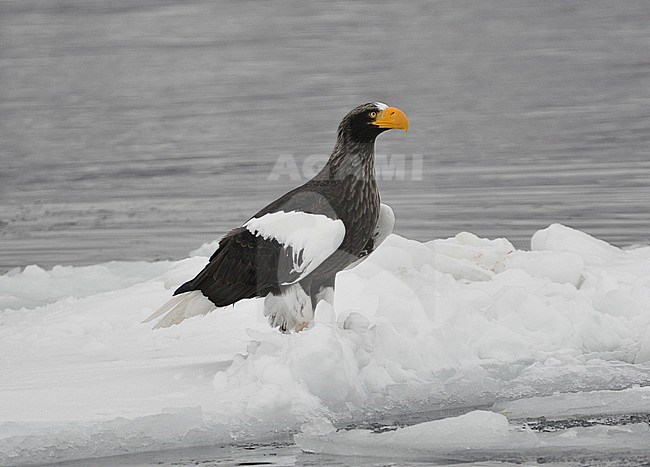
x=290 y=308
x=323 y=290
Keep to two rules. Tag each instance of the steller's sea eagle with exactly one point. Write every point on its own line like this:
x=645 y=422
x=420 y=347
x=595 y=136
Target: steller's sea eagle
x=290 y=251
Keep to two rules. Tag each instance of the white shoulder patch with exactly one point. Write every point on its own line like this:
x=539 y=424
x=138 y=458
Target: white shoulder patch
x=381 y=106
x=312 y=237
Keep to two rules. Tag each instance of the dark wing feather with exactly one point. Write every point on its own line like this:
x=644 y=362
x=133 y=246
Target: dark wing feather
x=244 y=266
x=314 y=197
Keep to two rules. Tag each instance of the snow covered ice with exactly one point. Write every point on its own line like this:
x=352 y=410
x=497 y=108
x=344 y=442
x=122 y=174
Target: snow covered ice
x=477 y=434
x=562 y=330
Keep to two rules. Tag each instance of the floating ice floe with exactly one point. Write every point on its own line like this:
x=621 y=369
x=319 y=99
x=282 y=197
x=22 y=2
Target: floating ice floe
x=418 y=327
x=478 y=435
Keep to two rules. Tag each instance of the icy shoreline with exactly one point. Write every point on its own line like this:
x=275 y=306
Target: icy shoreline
x=419 y=326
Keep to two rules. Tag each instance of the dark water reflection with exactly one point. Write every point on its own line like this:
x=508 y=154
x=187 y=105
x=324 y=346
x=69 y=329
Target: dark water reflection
x=141 y=130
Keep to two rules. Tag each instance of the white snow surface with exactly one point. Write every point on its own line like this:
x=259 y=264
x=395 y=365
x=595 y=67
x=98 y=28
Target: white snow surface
x=312 y=237
x=459 y=322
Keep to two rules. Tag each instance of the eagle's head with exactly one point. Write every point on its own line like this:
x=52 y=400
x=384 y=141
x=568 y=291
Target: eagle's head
x=367 y=121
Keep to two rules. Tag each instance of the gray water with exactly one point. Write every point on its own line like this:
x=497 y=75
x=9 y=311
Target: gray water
x=283 y=454
x=282 y=451
x=140 y=130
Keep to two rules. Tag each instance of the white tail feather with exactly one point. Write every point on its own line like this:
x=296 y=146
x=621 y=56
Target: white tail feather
x=167 y=306
x=181 y=307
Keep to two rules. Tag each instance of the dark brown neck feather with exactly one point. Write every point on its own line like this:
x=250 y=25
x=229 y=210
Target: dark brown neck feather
x=350 y=158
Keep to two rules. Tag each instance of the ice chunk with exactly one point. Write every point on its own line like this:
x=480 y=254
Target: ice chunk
x=556 y=266
x=474 y=430
x=477 y=435
x=627 y=401
x=417 y=327
x=560 y=238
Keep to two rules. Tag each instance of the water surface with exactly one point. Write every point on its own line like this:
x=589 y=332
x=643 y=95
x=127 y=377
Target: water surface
x=141 y=130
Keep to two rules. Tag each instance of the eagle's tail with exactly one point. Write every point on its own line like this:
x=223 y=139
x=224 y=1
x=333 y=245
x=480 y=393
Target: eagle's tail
x=181 y=307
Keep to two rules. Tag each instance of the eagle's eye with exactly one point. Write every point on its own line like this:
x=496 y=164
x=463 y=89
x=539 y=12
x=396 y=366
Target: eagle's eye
x=373 y=114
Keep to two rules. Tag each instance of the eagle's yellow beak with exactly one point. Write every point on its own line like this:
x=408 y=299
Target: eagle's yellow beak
x=392 y=118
